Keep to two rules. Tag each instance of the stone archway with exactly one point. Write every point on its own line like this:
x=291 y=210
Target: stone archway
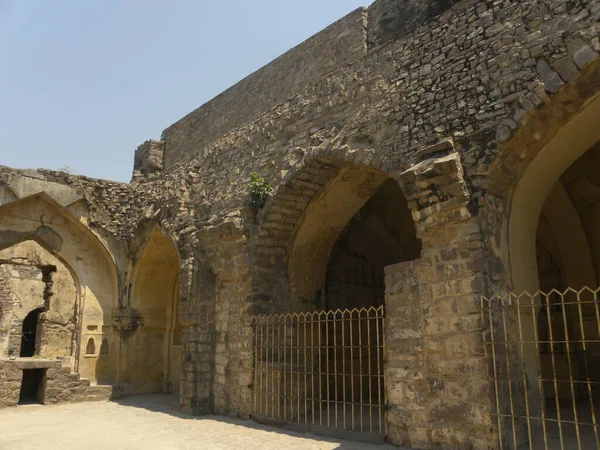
x=536 y=183
x=61 y=241
x=545 y=242
x=325 y=238
x=37 y=279
x=432 y=304
x=150 y=352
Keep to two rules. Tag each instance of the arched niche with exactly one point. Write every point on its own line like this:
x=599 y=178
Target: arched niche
x=41 y=219
x=37 y=278
x=151 y=356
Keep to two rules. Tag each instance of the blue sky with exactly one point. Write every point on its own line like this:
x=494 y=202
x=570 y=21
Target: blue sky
x=83 y=82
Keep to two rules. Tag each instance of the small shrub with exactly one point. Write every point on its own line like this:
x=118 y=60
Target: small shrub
x=260 y=190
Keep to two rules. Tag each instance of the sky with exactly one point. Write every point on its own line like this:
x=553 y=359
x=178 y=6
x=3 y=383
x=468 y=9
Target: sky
x=84 y=82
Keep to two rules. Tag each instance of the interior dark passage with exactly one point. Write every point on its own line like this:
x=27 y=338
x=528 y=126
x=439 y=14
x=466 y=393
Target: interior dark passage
x=29 y=332
x=32 y=386
x=323 y=368
x=568 y=260
x=382 y=233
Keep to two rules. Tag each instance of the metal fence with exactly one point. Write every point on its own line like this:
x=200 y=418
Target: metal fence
x=321 y=369
x=544 y=354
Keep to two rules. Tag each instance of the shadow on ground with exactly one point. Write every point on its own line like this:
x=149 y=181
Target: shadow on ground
x=169 y=404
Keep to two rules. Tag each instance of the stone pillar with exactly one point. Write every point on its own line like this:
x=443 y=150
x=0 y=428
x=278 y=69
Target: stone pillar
x=10 y=383
x=214 y=313
x=196 y=305
x=228 y=252
x=406 y=375
x=438 y=389
x=6 y=305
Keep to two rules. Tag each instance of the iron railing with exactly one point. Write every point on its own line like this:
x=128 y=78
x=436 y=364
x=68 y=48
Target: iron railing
x=321 y=369
x=544 y=353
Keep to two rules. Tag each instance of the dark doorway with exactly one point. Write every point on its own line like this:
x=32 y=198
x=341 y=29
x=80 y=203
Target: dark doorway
x=28 y=336
x=32 y=386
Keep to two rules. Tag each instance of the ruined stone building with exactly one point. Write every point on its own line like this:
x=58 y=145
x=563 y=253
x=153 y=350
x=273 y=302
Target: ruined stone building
x=424 y=269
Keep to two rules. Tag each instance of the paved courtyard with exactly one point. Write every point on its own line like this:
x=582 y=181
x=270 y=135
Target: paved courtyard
x=149 y=423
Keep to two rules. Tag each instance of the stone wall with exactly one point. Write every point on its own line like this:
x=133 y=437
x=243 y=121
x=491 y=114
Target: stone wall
x=36 y=279
x=58 y=385
x=469 y=75
x=338 y=45
x=391 y=19
x=452 y=103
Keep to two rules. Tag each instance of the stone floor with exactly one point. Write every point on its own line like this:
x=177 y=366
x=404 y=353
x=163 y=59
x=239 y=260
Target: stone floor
x=149 y=423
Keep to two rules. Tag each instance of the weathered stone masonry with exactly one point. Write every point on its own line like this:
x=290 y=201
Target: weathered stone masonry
x=452 y=100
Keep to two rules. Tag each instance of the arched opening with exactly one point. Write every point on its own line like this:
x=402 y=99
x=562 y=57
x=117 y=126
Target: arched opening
x=90 y=348
x=327 y=348
x=39 y=280
x=554 y=256
x=104 y=348
x=29 y=334
x=80 y=294
x=380 y=234
x=151 y=356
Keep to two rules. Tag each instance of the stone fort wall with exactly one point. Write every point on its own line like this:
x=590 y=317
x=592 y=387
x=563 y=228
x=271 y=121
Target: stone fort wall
x=453 y=103
x=338 y=45
x=470 y=75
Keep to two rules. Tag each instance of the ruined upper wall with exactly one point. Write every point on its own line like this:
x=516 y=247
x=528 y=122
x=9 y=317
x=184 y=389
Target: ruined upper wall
x=389 y=19
x=336 y=46
x=340 y=44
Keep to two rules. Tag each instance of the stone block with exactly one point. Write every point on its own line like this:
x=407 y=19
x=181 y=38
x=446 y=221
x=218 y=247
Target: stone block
x=566 y=69
x=549 y=77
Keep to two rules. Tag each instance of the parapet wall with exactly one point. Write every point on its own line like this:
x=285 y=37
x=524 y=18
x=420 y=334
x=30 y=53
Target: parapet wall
x=338 y=45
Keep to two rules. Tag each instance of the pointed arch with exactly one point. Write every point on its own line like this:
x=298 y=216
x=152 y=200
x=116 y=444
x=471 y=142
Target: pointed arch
x=152 y=354
x=40 y=218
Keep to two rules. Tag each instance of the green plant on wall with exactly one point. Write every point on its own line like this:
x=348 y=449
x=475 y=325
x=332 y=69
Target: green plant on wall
x=260 y=190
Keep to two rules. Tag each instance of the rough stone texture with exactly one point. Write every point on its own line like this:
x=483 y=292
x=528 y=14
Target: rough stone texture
x=148 y=159
x=454 y=106
x=33 y=277
x=60 y=385
x=10 y=386
x=340 y=44
x=390 y=19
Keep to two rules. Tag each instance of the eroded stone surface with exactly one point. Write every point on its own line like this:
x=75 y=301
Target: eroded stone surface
x=452 y=106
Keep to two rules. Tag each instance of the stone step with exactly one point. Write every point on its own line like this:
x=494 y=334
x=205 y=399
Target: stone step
x=101 y=392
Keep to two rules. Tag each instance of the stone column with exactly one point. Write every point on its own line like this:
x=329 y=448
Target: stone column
x=214 y=313
x=438 y=389
x=196 y=311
